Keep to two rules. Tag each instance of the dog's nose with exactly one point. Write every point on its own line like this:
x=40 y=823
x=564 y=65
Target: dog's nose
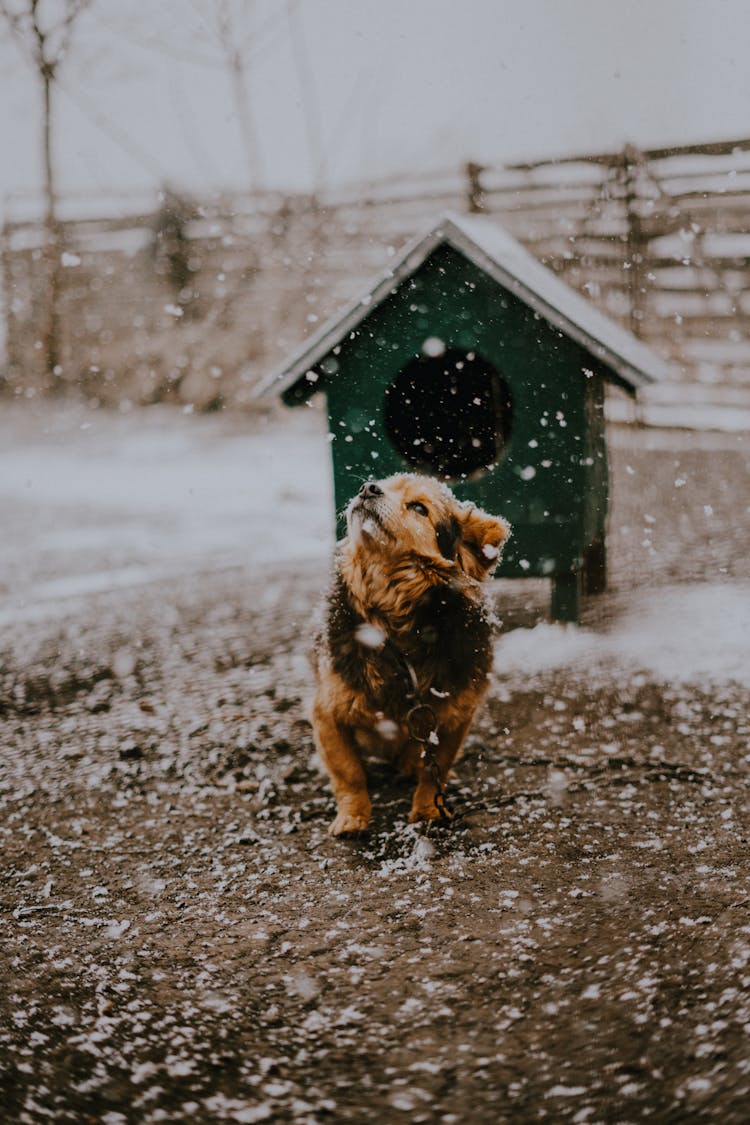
x=370 y=490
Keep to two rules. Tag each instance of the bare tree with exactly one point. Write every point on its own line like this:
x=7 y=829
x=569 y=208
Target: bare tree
x=44 y=32
x=225 y=34
x=236 y=64
x=310 y=108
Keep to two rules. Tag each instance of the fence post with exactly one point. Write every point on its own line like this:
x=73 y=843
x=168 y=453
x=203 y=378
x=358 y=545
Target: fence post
x=474 y=190
x=9 y=350
x=632 y=160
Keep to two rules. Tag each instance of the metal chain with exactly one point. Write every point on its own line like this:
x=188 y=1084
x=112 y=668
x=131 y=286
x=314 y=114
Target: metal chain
x=427 y=741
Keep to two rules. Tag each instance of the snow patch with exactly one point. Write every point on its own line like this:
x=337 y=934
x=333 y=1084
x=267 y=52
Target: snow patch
x=155 y=501
x=691 y=633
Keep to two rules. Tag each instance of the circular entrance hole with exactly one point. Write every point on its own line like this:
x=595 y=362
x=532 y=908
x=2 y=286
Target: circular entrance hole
x=449 y=415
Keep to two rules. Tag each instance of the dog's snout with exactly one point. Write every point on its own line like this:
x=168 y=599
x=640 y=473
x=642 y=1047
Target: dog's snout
x=370 y=490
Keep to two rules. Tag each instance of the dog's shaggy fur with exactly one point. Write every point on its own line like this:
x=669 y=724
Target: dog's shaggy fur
x=406 y=605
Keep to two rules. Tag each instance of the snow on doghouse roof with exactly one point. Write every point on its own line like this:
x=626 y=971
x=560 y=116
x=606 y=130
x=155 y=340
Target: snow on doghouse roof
x=629 y=362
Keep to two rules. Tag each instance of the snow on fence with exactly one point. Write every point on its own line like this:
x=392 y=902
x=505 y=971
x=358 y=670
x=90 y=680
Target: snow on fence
x=194 y=303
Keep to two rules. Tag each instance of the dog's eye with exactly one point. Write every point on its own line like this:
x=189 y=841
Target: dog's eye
x=418 y=506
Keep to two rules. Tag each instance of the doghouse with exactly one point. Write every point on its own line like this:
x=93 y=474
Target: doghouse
x=474 y=363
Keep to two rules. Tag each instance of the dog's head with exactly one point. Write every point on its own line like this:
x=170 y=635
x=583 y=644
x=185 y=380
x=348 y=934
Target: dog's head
x=415 y=516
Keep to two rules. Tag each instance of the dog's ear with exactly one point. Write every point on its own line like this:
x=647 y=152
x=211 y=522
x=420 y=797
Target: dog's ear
x=480 y=542
x=448 y=533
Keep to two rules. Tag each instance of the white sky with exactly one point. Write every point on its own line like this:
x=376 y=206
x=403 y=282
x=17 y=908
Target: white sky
x=369 y=87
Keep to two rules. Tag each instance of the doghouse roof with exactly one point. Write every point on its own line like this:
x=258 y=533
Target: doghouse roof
x=488 y=246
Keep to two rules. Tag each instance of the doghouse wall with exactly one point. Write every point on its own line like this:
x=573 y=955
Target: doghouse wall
x=541 y=483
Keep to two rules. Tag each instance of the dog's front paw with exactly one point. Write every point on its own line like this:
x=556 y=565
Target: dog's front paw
x=349 y=824
x=429 y=812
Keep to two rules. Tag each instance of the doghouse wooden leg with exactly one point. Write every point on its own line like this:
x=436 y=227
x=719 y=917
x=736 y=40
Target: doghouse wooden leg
x=341 y=759
x=595 y=567
x=566 y=597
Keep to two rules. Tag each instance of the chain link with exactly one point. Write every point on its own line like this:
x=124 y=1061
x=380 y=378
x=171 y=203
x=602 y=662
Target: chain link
x=422 y=725
x=428 y=739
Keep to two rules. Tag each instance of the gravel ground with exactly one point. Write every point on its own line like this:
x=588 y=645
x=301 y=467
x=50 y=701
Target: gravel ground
x=182 y=941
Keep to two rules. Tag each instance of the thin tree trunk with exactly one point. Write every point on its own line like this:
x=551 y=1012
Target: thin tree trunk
x=247 y=124
x=52 y=250
x=49 y=175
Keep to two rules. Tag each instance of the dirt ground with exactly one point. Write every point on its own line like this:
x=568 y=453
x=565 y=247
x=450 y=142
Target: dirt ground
x=182 y=941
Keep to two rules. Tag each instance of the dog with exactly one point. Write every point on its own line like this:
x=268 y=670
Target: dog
x=403 y=656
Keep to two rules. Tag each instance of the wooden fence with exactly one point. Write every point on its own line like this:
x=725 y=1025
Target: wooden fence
x=195 y=303
x=659 y=240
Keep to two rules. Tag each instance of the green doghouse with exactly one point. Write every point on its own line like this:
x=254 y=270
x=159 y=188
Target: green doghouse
x=473 y=363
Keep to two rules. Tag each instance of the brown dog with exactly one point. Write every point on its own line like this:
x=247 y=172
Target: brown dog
x=404 y=655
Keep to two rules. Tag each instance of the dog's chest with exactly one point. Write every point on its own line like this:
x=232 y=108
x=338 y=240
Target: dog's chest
x=443 y=642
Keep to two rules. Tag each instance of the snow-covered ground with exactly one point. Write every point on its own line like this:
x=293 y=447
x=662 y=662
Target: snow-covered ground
x=694 y=633
x=187 y=941
x=92 y=502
